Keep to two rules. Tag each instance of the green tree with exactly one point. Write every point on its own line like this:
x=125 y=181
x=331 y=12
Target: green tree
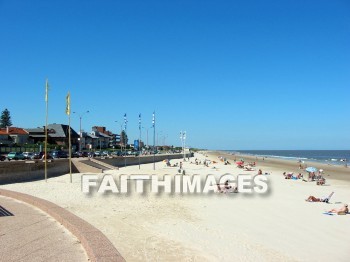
x=123 y=138
x=5 y=119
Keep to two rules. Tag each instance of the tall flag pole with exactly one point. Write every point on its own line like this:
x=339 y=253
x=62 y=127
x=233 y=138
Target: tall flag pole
x=47 y=107
x=184 y=137
x=69 y=135
x=183 y=142
x=154 y=139
x=125 y=121
x=140 y=141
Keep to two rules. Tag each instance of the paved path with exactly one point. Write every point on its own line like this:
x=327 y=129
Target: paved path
x=29 y=234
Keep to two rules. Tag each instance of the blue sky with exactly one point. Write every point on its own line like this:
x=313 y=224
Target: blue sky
x=233 y=74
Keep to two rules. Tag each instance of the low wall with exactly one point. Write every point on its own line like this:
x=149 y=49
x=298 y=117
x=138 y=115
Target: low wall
x=20 y=171
x=132 y=160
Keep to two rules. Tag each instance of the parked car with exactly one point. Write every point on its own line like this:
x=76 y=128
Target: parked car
x=76 y=154
x=15 y=156
x=85 y=154
x=97 y=153
x=28 y=155
x=2 y=158
x=40 y=155
x=116 y=153
x=105 y=153
x=59 y=154
x=91 y=154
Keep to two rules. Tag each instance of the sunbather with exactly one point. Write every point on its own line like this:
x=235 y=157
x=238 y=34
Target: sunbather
x=322 y=199
x=343 y=209
x=321 y=181
x=313 y=199
x=287 y=176
x=226 y=187
x=248 y=168
x=312 y=176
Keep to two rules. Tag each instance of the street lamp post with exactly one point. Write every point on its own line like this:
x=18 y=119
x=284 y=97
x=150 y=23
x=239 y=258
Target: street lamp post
x=154 y=139
x=125 y=125
x=139 y=141
x=183 y=138
x=147 y=136
x=80 y=133
x=164 y=138
x=159 y=133
x=121 y=128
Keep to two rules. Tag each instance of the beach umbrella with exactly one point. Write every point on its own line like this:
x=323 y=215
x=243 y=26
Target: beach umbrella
x=311 y=169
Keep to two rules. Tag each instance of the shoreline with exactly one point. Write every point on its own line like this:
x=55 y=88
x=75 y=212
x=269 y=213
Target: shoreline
x=292 y=158
x=334 y=172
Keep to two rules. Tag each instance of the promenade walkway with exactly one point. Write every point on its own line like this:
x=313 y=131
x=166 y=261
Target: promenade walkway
x=29 y=234
x=34 y=229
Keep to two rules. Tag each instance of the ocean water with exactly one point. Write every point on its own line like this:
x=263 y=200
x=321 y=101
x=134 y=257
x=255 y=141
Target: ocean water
x=336 y=157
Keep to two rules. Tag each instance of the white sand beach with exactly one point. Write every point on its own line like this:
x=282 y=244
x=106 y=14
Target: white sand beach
x=277 y=226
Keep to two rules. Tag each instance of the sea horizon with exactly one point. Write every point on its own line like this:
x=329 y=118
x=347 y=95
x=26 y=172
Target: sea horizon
x=337 y=157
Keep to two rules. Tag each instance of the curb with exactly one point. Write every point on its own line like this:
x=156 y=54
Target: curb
x=97 y=245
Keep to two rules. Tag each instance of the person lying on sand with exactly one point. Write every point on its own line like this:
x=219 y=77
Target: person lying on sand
x=248 y=168
x=287 y=176
x=321 y=181
x=313 y=199
x=322 y=199
x=226 y=187
x=299 y=176
x=343 y=209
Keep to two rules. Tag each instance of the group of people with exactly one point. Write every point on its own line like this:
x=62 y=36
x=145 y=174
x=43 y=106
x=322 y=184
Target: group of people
x=292 y=176
x=340 y=211
x=320 y=180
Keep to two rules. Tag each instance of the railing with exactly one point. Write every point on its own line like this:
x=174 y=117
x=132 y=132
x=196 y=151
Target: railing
x=24 y=148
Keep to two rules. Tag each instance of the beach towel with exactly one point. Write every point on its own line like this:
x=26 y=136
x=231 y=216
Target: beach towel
x=328 y=213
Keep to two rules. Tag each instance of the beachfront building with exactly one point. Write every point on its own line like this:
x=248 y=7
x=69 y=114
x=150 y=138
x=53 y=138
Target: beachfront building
x=4 y=138
x=106 y=138
x=114 y=141
x=103 y=139
x=57 y=134
x=36 y=135
x=13 y=135
x=89 y=141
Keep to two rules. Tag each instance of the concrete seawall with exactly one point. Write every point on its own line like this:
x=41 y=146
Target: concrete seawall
x=25 y=171
x=22 y=171
x=131 y=161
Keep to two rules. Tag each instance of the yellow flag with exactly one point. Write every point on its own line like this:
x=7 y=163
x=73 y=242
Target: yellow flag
x=68 y=104
x=47 y=90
